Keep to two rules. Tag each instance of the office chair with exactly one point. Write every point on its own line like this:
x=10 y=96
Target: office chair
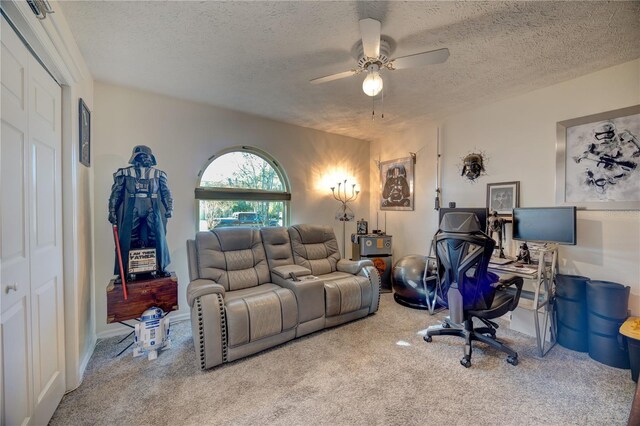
x=463 y=252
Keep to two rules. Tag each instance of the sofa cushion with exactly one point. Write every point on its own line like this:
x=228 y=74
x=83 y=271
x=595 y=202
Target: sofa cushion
x=277 y=246
x=335 y=276
x=315 y=247
x=251 y=291
x=232 y=257
x=260 y=314
x=348 y=294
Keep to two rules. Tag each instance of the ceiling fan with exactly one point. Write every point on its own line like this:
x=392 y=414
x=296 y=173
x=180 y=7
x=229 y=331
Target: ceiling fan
x=374 y=55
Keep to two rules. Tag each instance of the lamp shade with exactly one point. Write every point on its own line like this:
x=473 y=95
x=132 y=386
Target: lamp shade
x=372 y=84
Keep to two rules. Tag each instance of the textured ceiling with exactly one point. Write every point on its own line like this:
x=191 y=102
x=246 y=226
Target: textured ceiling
x=258 y=57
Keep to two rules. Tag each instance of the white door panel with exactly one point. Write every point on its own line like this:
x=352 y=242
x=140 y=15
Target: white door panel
x=43 y=193
x=13 y=72
x=16 y=366
x=15 y=318
x=14 y=151
x=47 y=315
x=46 y=338
x=14 y=245
x=31 y=248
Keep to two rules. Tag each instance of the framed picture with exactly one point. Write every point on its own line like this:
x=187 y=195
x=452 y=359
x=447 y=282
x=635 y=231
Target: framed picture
x=503 y=197
x=84 y=138
x=598 y=161
x=396 y=184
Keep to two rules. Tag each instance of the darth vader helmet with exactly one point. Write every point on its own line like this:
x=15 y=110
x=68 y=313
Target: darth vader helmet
x=140 y=150
x=473 y=166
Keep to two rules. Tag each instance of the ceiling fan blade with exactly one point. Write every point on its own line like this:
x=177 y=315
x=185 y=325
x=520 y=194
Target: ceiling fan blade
x=419 y=59
x=333 y=77
x=370 y=32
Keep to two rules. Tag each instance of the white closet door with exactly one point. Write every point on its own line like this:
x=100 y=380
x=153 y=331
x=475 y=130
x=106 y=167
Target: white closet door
x=47 y=314
x=14 y=250
x=32 y=305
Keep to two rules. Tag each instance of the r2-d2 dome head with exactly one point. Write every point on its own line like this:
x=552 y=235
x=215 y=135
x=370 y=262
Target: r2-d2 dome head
x=151 y=314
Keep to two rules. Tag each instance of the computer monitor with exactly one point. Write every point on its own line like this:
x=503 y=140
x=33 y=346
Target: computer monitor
x=480 y=212
x=545 y=224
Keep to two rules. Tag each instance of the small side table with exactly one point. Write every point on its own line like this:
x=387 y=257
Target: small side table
x=142 y=295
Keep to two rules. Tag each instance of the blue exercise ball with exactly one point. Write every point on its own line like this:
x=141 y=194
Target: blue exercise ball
x=408 y=282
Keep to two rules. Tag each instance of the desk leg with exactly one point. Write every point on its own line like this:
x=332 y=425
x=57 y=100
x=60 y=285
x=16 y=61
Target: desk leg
x=547 y=326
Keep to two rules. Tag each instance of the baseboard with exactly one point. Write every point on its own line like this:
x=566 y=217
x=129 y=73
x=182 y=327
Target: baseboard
x=121 y=330
x=87 y=358
x=83 y=366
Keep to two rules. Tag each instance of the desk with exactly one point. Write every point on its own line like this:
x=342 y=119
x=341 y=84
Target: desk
x=540 y=300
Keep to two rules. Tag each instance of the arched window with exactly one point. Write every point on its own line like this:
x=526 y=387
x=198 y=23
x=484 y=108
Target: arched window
x=242 y=186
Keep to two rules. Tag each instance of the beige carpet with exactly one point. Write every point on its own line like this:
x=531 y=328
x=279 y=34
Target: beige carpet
x=376 y=371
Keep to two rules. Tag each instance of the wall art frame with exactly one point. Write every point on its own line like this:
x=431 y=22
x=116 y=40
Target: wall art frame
x=598 y=160
x=84 y=135
x=503 y=197
x=397 y=184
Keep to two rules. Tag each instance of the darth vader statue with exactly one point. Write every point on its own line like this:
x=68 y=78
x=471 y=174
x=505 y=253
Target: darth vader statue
x=139 y=205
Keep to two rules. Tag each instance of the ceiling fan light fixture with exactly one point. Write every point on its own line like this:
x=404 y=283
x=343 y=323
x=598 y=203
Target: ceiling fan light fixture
x=372 y=84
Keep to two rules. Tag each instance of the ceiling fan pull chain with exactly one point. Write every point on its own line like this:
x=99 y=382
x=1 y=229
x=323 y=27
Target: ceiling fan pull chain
x=373 y=108
x=382 y=103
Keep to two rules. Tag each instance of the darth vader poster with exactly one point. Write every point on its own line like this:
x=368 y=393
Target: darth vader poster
x=396 y=184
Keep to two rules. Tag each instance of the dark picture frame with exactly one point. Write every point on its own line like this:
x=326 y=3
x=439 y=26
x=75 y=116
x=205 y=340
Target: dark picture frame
x=84 y=135
x=598 y=170
x=396 y=184
x=503 y=197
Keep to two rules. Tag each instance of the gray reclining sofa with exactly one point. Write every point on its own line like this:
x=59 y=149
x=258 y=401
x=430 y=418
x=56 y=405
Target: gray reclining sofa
x=252 y=289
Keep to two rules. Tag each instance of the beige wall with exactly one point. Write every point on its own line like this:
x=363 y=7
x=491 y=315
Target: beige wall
x=411 y=230
x=78 y=255
x=518 y=136
x=183 y=135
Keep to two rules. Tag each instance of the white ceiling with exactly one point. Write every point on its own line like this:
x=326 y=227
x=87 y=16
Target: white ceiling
x=258 y=57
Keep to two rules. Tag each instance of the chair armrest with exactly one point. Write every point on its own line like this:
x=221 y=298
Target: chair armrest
x=285 y=271
x=200 y=287
x=509 y=280
x=352 y=266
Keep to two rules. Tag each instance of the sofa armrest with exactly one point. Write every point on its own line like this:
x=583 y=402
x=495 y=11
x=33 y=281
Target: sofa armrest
x=309 y=292
x=353 y=266
x=285 y=271
x=373 y=276
x=200 y=287
x=208 y=323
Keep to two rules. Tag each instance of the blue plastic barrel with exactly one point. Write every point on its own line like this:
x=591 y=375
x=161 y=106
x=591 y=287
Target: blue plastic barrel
x=607 y=305
x=571 y=312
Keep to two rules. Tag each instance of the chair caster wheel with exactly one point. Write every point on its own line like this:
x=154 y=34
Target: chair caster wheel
x=466 y=363
x=427 y=338
x=446 y=324
x=513 y=360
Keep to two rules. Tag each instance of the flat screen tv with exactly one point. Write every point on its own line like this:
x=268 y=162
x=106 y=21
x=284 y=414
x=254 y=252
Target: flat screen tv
x=545 y=224
x=481 y=214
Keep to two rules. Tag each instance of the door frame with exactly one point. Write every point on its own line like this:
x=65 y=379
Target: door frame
x=52 y=42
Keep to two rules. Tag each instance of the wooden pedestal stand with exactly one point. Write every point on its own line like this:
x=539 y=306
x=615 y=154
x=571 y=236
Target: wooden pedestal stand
x=143 y=294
